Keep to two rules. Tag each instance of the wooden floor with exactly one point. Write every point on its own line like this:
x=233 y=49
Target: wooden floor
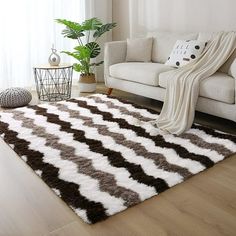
x=203 y=205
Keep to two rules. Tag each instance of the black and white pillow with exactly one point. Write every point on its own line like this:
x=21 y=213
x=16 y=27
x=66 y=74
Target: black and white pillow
x=184 y=52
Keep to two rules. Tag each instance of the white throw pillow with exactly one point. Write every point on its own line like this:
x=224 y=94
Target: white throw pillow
x=184 y=52
x=139 y=49
x=163 y=42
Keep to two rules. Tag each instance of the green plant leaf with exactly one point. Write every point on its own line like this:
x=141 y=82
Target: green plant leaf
x=73 y=29
x=104 y=28
x=91 y=24
x=70 y=24
x=80 y=68
x=83 y=51
x=77 y=67
x=72 y=34
x=94 y=49
x=75 y=55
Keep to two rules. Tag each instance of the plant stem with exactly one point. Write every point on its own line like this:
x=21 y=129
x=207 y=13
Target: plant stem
x=88 y=64
x=80 y=42
x=88 y=37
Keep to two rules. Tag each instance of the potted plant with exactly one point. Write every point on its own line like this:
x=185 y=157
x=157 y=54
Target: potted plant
x=87 y=35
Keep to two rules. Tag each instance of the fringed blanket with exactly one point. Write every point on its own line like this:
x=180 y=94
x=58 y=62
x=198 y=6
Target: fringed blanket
x=182 y=92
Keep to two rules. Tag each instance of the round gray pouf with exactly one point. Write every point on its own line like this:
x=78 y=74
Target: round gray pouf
x=15 y=97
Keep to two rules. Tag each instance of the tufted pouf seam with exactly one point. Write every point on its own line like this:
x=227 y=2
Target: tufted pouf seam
x=15 y=97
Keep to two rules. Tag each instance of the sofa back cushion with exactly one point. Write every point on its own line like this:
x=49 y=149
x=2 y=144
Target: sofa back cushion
x=163 y=43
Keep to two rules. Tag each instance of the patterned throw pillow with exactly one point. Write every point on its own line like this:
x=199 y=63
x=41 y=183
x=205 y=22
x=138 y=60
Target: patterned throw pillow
x=184 y=52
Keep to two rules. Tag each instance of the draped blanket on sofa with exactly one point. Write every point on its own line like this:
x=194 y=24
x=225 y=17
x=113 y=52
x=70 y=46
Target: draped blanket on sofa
x=182 y=92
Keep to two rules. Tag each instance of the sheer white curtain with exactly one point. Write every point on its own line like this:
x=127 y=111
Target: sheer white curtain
x=27 y=32
x=103 y=10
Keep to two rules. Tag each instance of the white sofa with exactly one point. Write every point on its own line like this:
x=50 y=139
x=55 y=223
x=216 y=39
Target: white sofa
x=217 y=93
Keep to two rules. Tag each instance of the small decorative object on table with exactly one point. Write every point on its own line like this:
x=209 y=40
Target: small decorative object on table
x=54 y=59
x=15 y=97
x=53 y=83
x=86 y=53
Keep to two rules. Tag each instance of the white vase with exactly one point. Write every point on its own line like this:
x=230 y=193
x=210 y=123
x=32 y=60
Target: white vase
x=54 y=59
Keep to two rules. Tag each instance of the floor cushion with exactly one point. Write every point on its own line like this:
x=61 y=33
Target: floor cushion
x=15 y=97
x=219 y=87
x=144 y=73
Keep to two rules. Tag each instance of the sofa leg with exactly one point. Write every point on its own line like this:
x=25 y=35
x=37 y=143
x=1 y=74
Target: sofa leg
x=109 y=91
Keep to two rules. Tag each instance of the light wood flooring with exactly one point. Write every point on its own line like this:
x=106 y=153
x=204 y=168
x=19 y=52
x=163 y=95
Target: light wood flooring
x=202 y=205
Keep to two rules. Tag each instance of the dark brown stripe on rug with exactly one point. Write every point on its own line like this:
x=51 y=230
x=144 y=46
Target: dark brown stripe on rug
x=115 y=158
x=215 y=133
x=69 y=191
x=124 y=110
x=84 y=165
x=158 y=158
x=158 y=139
x=133 y=104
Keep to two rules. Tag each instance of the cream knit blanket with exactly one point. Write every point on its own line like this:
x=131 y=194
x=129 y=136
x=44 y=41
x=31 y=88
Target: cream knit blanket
x=182 y=92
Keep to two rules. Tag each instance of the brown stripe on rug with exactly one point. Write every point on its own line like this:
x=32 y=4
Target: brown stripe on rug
x=195 y=139
x=139 y=107
x=69 y=192
x=84 y=165
x=67 y=145
x=138 y=148
x=114 y=157
x=124 y=110
x=221 y=149
x=214 y=133
x=158 y=139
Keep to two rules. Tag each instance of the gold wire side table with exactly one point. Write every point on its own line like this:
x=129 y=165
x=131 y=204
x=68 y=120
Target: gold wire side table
x=53 y=83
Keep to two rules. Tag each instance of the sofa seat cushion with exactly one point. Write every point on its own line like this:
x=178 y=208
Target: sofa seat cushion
x=144 y=73
x=220 y=87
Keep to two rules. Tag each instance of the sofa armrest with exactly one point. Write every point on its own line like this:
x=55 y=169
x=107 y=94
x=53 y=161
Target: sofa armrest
x=232 y=72
x=115 y=52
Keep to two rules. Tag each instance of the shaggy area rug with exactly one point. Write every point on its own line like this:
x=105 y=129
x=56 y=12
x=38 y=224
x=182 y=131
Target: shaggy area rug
x=102 y=155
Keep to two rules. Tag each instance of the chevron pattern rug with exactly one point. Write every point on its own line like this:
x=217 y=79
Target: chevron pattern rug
x=102 y=155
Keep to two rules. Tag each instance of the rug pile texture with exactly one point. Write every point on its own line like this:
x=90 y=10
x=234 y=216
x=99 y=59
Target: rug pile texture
x=102 y=155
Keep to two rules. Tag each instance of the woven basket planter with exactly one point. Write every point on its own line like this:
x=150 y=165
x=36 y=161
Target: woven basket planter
x=87 y=83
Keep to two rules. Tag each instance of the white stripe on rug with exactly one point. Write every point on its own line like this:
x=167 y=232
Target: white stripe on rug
x=213 y=155
x=147 y=165
x=170 y=154
x=99 y=161
x=192 y=165
x=211 y=139
x=67 y=169
x=142 y=111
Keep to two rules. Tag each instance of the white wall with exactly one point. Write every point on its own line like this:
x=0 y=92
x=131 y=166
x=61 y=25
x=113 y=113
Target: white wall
x=136 y=17
x=120 y=14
